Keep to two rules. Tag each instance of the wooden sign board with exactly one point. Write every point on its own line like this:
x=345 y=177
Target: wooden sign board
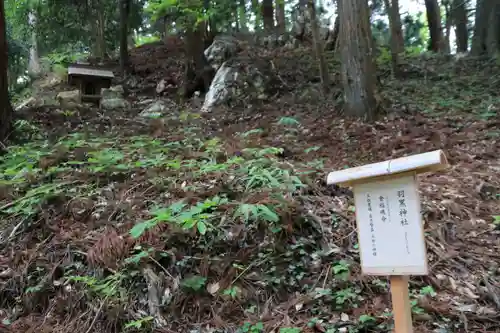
x=390 y=229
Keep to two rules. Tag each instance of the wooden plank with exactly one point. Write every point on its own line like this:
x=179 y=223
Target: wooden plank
x=90 y=72
x=401 y=307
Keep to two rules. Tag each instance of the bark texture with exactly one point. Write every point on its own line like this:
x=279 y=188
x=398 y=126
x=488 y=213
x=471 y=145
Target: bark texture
x=198 y=73
x=358 y=68
x=397 y=41
x=459 y=13
x=268 y=15
x=124 y=14
x=318 y=46
x=482 y=20
x=34 y=62
x=5 y=106
x=436 y=42
x=280 y=16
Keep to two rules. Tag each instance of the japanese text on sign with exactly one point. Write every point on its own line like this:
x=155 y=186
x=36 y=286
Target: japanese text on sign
x=387 y=213
x=372 y=225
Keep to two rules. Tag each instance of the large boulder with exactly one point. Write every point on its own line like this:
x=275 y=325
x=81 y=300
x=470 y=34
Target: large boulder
x=69 y=99
x=69 y=96
x=239 y=80
x=158 y=108
x=222 y=48
x=112 y=98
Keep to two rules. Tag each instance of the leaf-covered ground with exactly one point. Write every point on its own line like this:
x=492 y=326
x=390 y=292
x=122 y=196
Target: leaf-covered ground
x=222 y=222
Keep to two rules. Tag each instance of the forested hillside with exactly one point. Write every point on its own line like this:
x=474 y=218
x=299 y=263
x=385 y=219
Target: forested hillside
x=191 y=195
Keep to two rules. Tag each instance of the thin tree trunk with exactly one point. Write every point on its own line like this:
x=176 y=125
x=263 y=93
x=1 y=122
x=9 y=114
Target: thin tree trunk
x=235 y=17
x=34 y=61
x=459 y=13
x=397 y=43
x=97 y=26
x=280 y=16
x=101 y=39
x=197 y=68
x=257 y=11
x=395 y=25
x=124 y=13
x=447 y=28
x=492 y=41
x=320 y=54
x=480 y=28
x=268 y=15
x=357 y=69
x=242 y=13
x=436 y=43
x=335 y=34
x=5 y=106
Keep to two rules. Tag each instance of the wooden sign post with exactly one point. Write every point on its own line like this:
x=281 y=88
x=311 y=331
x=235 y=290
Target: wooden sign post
x=389 y=221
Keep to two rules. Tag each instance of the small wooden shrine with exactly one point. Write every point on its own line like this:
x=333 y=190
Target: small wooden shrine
x=89 y=80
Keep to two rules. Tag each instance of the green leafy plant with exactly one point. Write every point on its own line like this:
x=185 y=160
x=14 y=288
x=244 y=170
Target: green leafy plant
x=428 y=291
x=109 y=287
x=140 y=323
x=249 y=328
x=367 y=320
x=290 y=330
x=194 y=283
x=232 y=291
x=341 y=270
x=288 y=121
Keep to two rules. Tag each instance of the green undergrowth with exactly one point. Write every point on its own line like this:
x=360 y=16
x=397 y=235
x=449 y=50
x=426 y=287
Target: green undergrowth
x=215 y=223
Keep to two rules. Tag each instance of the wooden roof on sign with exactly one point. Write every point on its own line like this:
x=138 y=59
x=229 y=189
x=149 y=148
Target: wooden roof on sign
x=85 y=70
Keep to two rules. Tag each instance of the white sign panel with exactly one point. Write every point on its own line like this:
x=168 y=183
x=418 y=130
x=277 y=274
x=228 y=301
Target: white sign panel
x=390 y=230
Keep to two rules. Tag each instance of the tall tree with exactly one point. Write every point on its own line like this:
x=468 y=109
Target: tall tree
x=481 y=27
x=242 y=10
x=436 y=42
x=124 y=14
x=357 y=66
x=448 y=19
x=280 y=16
x=318 y=46
x=493 y=34
x=257 y=11
x=34 y=61
x=459 y=13
x=5 y=106
x=397 y=40
x=268 y=15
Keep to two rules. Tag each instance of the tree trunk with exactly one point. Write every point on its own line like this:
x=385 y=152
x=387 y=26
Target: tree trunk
x=357 y=69
x=492 y=41
x=97 y=25
x=280 y=16
x=34 y=61
x=198 y=73
x=447 y=27
x=335 y=34
x=236 y=19
x=124 y=14
x=5 y=106
x=242 y=13
x=459 y=13
x=101 y=39
x=318 y=47
x=397 y=41
x=436 y=43
x=257 y=11
x=481 y=28
x=268 y=15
